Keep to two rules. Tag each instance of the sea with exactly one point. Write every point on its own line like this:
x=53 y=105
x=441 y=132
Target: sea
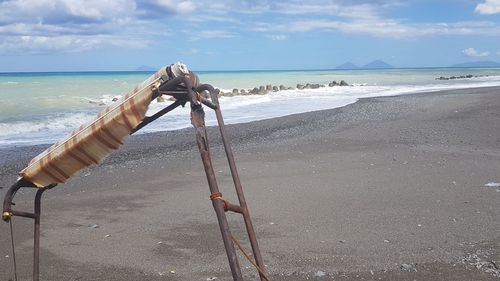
x=40 y=108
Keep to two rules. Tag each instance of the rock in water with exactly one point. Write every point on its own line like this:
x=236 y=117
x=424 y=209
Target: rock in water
x=262 y=90
x=275 y=88
x=282 y=88
x=300 y=86
x=343 y=83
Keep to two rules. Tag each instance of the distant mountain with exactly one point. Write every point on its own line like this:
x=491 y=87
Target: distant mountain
x=478 y=64
x=377 y=64
x=146 y=68
x=347 y=65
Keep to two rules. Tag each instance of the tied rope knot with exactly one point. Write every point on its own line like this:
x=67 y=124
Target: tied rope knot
x=216 y=196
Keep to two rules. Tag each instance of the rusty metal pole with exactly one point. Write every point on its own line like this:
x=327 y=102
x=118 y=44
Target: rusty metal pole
x=239 y=189
x=198 y=121
x=36 y=234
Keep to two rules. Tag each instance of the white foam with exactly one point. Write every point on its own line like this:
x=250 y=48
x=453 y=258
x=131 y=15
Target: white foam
x=45 y=130
x=236 y=109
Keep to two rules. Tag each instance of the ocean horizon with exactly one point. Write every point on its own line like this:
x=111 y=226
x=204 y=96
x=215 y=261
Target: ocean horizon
x=42 y=107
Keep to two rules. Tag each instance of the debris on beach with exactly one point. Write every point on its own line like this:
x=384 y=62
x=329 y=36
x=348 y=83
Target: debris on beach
x=212 y=278
x=493 y=184
x=409 y=267
x=480 y=260
x=320 y=273
x=94 y=226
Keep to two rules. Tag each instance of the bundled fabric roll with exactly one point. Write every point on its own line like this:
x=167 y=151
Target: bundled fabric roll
x=92 y=142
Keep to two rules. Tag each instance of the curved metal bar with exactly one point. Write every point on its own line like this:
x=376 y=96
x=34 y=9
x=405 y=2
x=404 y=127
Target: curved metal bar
x=210 y=103
x=9 y=196
x=175 y=82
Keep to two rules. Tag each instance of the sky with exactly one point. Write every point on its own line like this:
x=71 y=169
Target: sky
x=96 y=35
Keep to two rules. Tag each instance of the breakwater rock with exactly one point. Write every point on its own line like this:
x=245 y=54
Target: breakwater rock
x=263 y=90
x=469 y=76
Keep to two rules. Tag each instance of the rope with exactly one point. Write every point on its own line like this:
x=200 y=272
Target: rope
x=262 y=273
x=13 y=249
x=215 y=196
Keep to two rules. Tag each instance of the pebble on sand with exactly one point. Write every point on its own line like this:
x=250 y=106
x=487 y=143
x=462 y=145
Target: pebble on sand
x=409 y=267
x=320 y=273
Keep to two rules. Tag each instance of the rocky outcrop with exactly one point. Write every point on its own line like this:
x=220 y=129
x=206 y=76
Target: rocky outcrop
x=460 y=77
x=263 y=90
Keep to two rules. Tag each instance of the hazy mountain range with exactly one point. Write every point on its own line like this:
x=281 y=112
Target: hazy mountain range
x=379 y=64
x=376 y=64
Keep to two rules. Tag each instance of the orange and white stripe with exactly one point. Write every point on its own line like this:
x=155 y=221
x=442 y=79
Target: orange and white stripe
x=91 y=143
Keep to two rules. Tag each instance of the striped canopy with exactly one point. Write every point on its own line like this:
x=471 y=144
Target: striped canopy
x=92 y=142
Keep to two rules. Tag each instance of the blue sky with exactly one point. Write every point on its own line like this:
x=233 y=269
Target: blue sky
x=73 y=35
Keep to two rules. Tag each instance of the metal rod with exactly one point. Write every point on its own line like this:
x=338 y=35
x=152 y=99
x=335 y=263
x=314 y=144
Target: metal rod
x=239 y=190
x=13 y=250
x=9 y=196
x=232 y=207
x=198 y=121
x=36 y=234
x=149 y=119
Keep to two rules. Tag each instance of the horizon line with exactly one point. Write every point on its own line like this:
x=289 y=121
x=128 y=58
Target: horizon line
x=250 y=70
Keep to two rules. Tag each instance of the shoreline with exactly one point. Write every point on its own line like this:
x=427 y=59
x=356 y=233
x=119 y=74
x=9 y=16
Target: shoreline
x=17 y=147
x=326 y=190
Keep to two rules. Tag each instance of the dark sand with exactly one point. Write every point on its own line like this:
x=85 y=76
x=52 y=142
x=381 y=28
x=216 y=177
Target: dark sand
x=354 y=192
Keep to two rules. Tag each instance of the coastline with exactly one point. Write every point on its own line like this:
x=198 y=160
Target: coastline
x=396 y=169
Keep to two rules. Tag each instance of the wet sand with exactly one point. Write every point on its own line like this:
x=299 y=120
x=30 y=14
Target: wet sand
x=353 y=192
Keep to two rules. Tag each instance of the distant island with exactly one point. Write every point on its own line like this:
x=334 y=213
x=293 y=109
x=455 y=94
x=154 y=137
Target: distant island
x=348 y=65
x=376 y=64
x=478 y=64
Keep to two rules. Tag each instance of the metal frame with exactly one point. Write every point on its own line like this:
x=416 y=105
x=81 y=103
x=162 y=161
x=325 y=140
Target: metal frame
x=183 y=90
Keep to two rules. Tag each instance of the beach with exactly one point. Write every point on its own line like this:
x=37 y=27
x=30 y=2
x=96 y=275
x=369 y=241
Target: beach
x=386 y=188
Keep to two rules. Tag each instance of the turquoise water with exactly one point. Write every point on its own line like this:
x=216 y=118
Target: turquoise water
x=43 y=107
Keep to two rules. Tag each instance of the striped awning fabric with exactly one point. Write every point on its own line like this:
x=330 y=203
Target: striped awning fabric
x=92 y=142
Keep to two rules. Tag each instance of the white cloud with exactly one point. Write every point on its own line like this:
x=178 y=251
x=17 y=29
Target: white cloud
x=336 y=9
x=182 y=7
x=210 y=34
x=471 y=52
x=489 y=7
x=97 y=23
x=67 y=44
x=64 y=11
x=279 y=37
x=381 y=27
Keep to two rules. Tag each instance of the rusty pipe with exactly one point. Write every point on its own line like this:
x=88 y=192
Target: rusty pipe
x=239 y=189
x=9 y=196
x=198 y=121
